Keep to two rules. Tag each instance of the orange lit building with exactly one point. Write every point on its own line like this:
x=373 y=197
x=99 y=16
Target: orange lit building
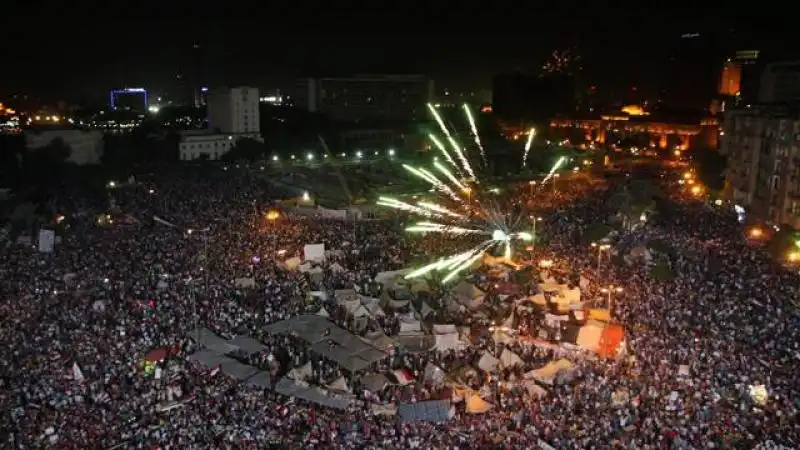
x=730 y=82
x=649 y=130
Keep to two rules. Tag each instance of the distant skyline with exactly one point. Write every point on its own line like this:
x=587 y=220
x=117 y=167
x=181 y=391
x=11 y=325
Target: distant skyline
x=65 y=60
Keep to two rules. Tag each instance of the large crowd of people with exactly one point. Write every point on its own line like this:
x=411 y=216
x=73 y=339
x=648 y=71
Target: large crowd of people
x=166 y=250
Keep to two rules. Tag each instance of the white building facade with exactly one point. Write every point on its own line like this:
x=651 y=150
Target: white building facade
x=234 y=111
x=232 y=115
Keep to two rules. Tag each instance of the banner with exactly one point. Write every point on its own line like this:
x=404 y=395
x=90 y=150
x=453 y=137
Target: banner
x=314 y=252
x=47 y=240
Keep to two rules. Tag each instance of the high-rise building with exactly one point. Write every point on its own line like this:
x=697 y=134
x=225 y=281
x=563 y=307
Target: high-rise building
x=730 y=79
x=750 y=67
x=233 y=114
x=762 y=144
x=234 y=110
x=366 y=97
x=780 y=82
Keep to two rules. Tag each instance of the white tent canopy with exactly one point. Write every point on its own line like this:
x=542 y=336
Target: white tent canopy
x=510 y=359
x=300 y=373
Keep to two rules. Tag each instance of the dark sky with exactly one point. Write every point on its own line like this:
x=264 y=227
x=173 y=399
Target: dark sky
x=70 y=53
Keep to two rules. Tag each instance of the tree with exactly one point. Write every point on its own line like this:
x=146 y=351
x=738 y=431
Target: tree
x=596 y=232
x=245 y=149
x=783 y=242
x=662 y=272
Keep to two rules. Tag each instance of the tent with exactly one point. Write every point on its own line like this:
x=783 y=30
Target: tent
x=430 y=411
x=300 y=373
x=449 y=341
x=434 y=373
x=339 y=385
x=549 y=373
x=510 y=359
x=488 y=363
x=476 y=405
x=379 y=340
x=375 y=382
x=468 y=294
x=410 y=328
x=444 y=329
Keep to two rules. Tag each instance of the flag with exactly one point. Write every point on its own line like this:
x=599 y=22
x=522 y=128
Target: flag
x=403 y=376
x=77 y=374
x=163 y=222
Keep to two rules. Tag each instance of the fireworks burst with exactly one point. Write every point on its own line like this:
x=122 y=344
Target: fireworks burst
x=464 y=209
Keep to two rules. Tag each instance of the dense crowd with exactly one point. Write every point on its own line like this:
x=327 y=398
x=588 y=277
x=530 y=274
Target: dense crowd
x=78 y=322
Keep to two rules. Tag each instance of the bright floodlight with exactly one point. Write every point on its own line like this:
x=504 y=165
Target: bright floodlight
x=306 y=197
x=274 y=157
x=359 y=154
x=310 y=156
x=499 y=235
x=391 y=152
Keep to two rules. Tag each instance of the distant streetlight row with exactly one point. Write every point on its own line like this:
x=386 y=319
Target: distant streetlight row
x=311 y=156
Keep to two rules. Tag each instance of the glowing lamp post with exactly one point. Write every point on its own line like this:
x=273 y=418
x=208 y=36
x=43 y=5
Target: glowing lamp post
x=610 y=291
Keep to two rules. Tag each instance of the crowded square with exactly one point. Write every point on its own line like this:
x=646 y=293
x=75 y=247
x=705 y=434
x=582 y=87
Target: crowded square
x=210 y=308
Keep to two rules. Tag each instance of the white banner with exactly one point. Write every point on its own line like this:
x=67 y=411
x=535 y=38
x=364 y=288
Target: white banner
x=47 y=240
x=314 y=252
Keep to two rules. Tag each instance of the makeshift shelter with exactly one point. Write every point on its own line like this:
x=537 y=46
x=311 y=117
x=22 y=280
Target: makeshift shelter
x=468 y=294
x=410 y=327
x=379 y=340
x=449 y=341
x=549 y=373
x=488 y=363
x=303 y=391
x=429 y=411
x=434 y=373
x=476 y=405
x=601 y=315
x=339 y=385
x=375 y=382
x=510 y=359
x=300 y=373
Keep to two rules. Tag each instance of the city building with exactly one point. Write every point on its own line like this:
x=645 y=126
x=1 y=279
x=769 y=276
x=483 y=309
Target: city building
x=366 y=97
x=86 y=147
x=780 y=82
x=200 y=144
x=762 y=144
x=730 y=79
x=233 y=114
x=129 y=99
x=234 y=111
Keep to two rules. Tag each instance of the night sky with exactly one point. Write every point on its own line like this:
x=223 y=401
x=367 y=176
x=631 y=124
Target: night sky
x=75 y=53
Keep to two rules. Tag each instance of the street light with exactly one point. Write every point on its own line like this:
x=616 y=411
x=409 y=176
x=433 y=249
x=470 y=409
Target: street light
x=359 y=154
x=534 y=219
x=600 y=249
x=391 y=152
x=609 y=291
x=274 y=157
x=756 y=233
x=310 y=156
